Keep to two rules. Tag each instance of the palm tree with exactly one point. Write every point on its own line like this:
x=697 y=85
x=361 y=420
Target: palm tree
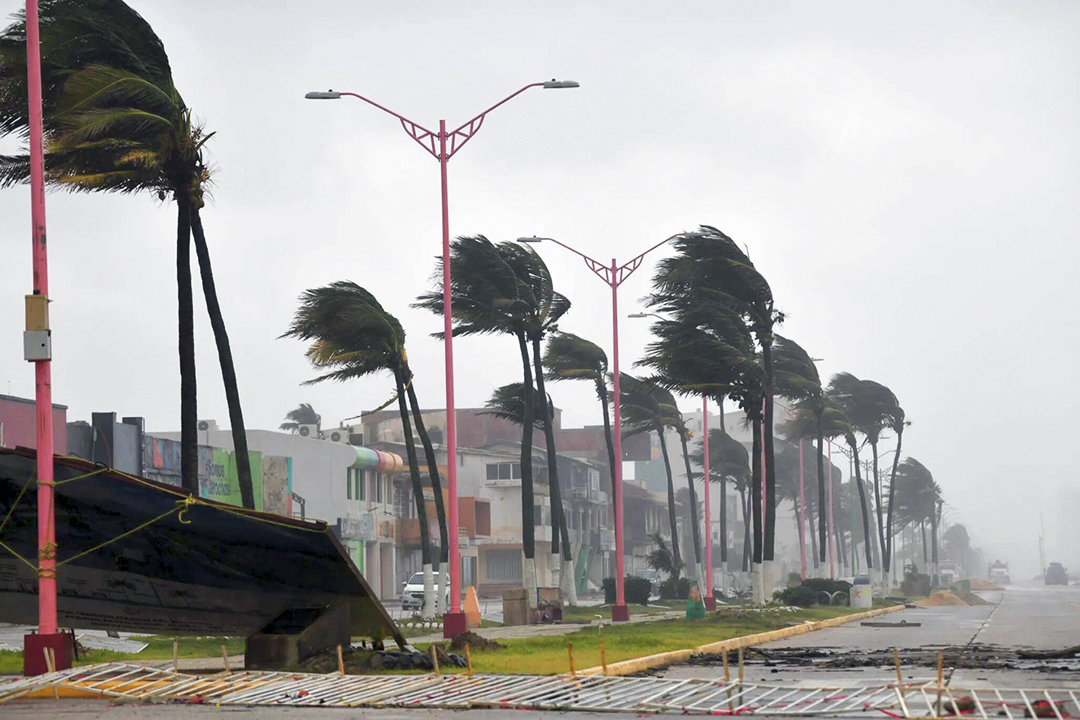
x=569 y=357
x=871 y=408
x=304 y=414
x=920 y=501
x=662 y=559
x=709 y=259
x=504 y=289
x=353 y=336
x=115 y=122
x=647 y=407
x=728 y=460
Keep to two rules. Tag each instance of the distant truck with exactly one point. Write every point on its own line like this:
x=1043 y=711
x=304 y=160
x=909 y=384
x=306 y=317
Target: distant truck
x=999 y=572
x=948 y=574
x=1056 y=575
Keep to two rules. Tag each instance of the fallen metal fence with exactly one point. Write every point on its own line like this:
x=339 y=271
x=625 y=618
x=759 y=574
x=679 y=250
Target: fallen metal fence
x=594 y=693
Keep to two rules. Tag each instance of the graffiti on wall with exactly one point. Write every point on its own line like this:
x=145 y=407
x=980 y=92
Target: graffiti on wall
x=271 y=476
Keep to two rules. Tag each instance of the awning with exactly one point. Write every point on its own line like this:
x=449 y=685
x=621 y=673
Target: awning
x=192 y=567
x=385 y=462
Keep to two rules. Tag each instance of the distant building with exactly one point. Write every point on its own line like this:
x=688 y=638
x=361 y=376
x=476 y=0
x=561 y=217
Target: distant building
x=18 y=424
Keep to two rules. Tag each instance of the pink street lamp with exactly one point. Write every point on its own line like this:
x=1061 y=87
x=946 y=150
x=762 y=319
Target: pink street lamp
x=38 y=348
x=614 y=275
x=443 y=145
x=832 y=531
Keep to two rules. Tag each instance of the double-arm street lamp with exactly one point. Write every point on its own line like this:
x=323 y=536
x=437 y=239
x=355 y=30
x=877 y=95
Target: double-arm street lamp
x=443 y=145
x=613 y=274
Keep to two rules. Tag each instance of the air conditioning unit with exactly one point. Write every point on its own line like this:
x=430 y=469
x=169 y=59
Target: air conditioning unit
x=341 y=435
x=311 y=431
x=207 y=425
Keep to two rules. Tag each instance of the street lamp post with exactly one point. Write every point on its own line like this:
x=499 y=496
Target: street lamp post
x=614 y=275
x=38 y=349
x=443 y=145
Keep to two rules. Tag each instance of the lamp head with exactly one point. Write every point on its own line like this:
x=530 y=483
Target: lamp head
x=317 y=95
x=554 y=84
x=533 y=239
x=638 y=316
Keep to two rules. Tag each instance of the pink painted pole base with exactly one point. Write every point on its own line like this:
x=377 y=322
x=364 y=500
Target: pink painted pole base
x=710 y=603
x=620 y=613
x=34 y=652
x=454 y=623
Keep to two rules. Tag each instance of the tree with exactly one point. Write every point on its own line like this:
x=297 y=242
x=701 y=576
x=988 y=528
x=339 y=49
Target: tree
x=505 y=289
x=709 y=261
x=647 y=407
x=569 y=357
x=662 y=559
x=115 y=122
x=728 y=460
x=352 y=336
x=919 y=501
x=304 y=414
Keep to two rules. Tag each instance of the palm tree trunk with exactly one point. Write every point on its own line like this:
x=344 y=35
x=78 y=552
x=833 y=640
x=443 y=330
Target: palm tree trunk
x=436 y=489
x=418 y=496
x=189 y=439
x=745 y=503
x=601 y=391
x=922 y=527
x=528 y=527
x=755 y=487
x=225 y=359
x=694 y=520
x=723 y=497
x=672 y=517
x=769 y=538
x=813 y=537
x=934 y=547
x=892 y=487
x=822 y=498
x=883 y=542
x=868 y=538
x=558 y=512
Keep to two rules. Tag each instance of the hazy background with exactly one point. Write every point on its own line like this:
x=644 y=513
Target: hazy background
x=905 y=176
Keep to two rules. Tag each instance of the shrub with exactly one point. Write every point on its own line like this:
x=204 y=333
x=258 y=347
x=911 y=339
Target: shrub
x=675 y=589
x=637 y=590
x=800 y=596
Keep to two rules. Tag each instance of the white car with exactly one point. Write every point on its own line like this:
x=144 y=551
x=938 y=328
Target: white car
x=412 y=592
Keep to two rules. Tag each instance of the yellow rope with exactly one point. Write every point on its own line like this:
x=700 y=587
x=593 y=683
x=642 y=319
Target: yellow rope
x=20 y=557
x=180 y=507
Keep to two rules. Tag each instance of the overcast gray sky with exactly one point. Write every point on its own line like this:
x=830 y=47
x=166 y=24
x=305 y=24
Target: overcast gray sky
x=906 y=175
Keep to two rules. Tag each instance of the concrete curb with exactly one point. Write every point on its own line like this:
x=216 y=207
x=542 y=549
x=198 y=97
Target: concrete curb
x=649 y=662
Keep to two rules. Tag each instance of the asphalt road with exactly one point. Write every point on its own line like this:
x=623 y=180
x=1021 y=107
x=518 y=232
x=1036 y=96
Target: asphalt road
x=979 y=643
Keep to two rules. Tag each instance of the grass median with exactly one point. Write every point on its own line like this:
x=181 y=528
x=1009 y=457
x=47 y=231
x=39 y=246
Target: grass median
x=159 y=647
x=548 y=655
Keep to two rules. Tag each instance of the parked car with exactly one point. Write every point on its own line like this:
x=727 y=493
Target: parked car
x=412 y=592
x=1056 y=575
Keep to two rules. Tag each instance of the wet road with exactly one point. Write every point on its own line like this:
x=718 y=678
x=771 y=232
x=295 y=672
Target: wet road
x=979 y=644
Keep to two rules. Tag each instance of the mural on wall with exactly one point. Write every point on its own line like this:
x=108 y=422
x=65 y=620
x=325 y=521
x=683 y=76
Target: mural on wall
x=277 y=484
x=271 y=476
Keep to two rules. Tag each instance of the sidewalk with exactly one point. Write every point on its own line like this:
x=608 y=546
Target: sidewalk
x=515 y=632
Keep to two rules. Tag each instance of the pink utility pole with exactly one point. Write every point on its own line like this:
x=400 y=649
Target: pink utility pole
x=614 y=275
x=710 y=601
x=38 y=347
x=443 y=145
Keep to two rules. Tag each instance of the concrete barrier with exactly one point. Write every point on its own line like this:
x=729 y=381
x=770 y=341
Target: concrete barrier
x=649 y=662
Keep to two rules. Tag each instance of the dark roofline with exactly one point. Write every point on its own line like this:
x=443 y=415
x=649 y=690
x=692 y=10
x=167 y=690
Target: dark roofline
x=12 y=398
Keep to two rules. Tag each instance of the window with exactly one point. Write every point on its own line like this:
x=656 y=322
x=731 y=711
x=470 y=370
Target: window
x=377 y=481
x=504 y=471
x=483 y=518
x=538 y=515
x=348 y=483
x=503 y=565
x=354 y=484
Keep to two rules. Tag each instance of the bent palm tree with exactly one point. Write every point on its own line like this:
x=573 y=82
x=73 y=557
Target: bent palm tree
x=304 y=414
x=353 y=336
x=115 y=122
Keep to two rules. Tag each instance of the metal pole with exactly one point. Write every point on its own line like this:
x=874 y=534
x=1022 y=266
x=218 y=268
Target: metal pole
x=47 y=620
x=802 y=513
x=454 y=621
x=710 y=602
x=619 y=612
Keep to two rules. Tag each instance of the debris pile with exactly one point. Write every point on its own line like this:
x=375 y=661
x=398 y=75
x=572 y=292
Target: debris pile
x=977 y=584
x=941 y=598
x=414 y=660
x=474 y=641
